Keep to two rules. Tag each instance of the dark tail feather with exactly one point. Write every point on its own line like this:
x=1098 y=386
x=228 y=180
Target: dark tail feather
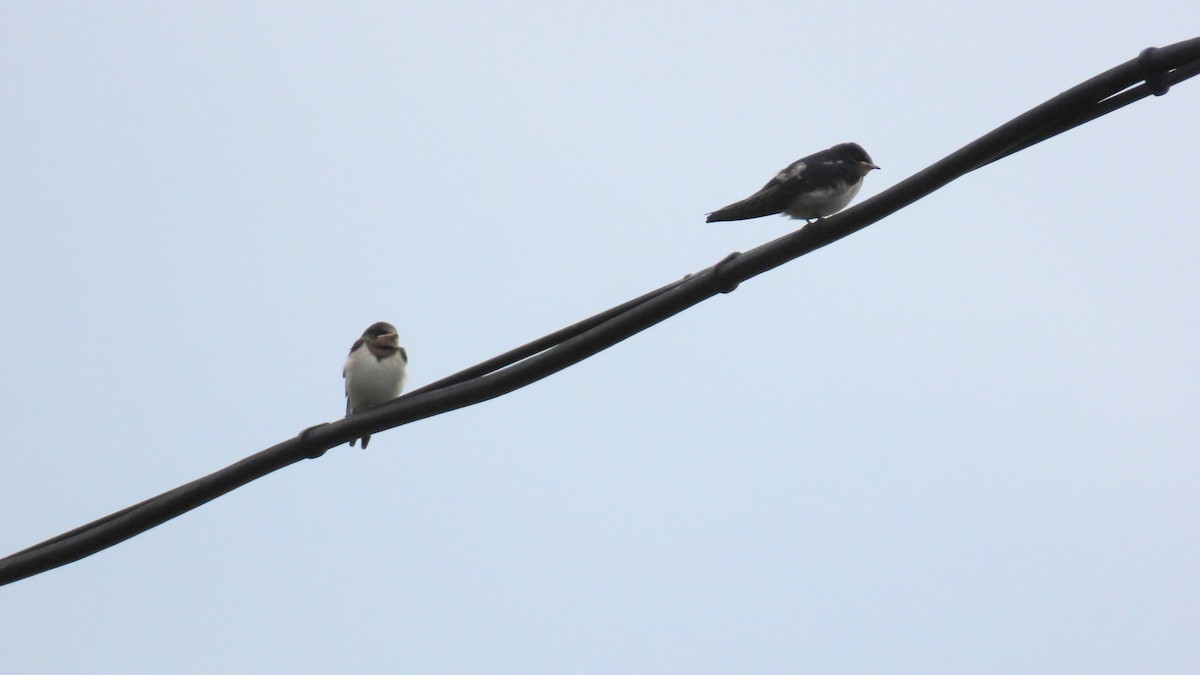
x=755 y=206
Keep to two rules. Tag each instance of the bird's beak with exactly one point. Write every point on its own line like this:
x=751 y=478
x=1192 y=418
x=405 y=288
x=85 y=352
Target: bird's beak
x=390 y=340
x=867 y=166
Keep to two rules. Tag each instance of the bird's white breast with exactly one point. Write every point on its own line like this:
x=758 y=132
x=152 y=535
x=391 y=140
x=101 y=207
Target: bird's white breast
x=370 y=381
x=821 y=203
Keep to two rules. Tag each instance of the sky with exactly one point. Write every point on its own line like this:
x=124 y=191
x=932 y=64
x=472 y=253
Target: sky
x=963 y=440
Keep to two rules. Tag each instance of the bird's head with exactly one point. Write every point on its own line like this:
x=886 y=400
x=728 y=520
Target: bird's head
x=382 y=334
x=854 y=152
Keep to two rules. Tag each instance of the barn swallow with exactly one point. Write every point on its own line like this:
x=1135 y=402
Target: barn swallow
x=810 y=188
x=374 y=371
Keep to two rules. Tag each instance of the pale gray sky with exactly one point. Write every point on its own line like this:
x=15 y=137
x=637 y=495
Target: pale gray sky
x=961 y=441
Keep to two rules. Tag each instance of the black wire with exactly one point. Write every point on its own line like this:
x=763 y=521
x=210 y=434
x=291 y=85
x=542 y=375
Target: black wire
x=541 y=358
x=541 y=344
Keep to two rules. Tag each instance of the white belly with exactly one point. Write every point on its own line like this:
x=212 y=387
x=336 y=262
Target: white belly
x=370 y=381
x=822 y=203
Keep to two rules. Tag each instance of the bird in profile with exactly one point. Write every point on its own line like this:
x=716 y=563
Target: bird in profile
x=374 y=371
x=810 y=188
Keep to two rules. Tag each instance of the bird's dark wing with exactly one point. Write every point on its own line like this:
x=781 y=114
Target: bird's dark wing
x=771 y=199
x=759 y=204
x=346 y=386
x=817 y=172
x=811 y=174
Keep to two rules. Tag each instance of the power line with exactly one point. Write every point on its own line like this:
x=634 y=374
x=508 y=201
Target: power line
x=1154 y=71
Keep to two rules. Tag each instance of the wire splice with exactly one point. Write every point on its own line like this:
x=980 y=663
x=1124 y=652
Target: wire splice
x=724 y=282
x=1154 y=76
